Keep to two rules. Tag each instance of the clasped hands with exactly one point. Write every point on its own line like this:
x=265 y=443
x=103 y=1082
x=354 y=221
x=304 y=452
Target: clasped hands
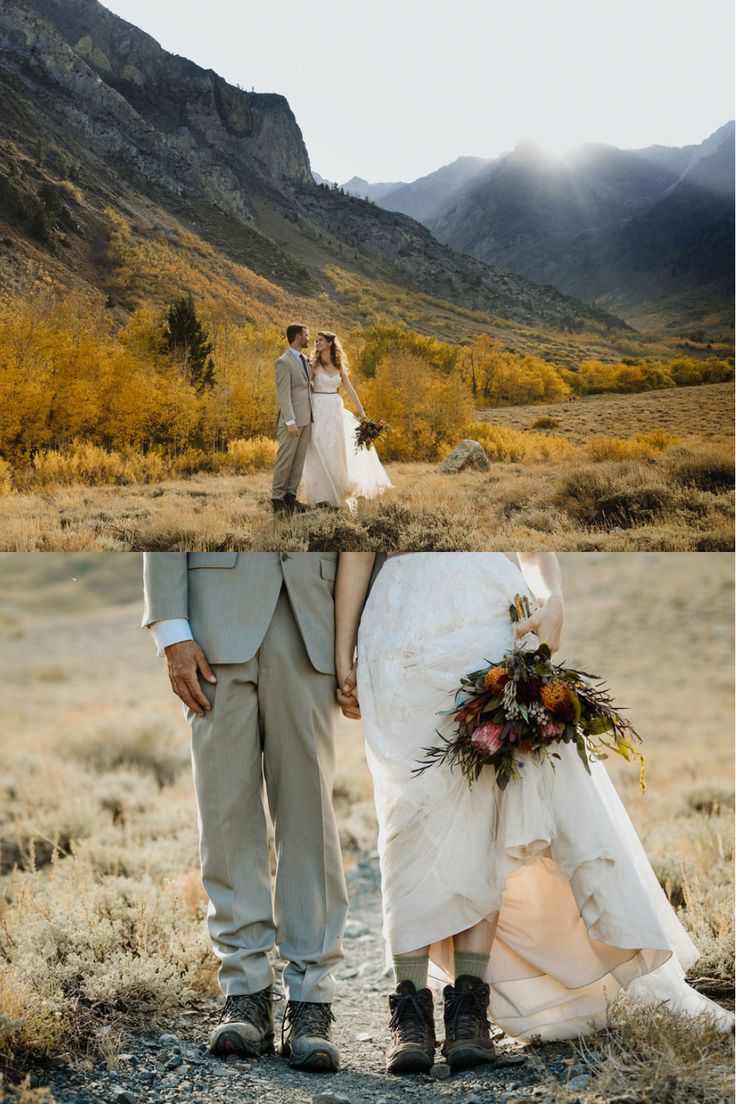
x=347 y=689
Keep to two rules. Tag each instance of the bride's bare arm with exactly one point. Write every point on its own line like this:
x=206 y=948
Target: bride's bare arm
x=352 y=394
x=542 y=572
x=351 y=588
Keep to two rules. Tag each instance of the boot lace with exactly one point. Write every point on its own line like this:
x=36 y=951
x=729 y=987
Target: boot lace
x=410 y=1019
x=306 y=1018
x=465 y=1007
x=248 y=1006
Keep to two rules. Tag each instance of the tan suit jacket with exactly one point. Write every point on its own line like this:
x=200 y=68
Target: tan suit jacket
x=229 y=599
x=293 y=390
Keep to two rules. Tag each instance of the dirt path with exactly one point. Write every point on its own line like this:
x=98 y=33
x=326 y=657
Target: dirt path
x=175 y=1066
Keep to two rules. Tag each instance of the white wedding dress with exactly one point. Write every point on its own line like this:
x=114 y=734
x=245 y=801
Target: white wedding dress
x=581 y=912
x=335 y=471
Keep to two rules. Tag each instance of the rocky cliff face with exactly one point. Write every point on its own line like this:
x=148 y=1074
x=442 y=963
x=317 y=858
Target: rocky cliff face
x=144 y=127
x=176 y=123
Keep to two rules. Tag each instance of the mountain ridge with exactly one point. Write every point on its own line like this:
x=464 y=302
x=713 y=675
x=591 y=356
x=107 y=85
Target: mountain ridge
x=138 y=123
x=562 y=221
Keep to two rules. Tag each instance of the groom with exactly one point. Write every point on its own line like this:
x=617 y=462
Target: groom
x=249 y=641
x=294 y=426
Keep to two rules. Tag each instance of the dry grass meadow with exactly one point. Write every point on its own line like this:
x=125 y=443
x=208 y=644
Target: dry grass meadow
x=102 y=909
x=603 y=473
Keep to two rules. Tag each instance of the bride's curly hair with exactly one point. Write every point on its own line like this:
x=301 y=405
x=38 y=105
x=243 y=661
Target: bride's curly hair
x=336 y=352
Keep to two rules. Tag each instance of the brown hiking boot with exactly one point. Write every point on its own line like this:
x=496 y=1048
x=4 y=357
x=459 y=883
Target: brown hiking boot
x=467 y=1030
x=413 y=1041
x=245 y=1027
x=306 y=1037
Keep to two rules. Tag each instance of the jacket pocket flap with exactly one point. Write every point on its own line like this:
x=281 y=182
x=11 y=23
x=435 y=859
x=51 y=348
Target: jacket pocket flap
x=212 y=559
x=328 y=569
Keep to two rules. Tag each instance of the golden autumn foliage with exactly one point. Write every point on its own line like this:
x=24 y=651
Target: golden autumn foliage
x=498 y=378
x=425 y=408
x=369 y=347
x=505 y=444
x=64 y=379
x=85 y=400
x=594 y=376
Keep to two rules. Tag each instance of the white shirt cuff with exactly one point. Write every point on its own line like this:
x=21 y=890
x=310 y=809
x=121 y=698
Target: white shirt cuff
x=171 y=631
x=292 y=422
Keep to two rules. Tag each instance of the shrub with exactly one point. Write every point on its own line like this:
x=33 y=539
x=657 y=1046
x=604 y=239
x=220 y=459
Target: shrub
x=74 y=947
x=504 y=444
x=6 y=478
x=656 y=1055
x=83 y=463
x=148 y=749
x=633 y=506
x=650 y=443
x=580 y=492
x=712 y=471
x=194 y=460
x=251 y=455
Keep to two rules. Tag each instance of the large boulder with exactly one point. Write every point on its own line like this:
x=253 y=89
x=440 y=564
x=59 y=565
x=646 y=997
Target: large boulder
x=467 y=454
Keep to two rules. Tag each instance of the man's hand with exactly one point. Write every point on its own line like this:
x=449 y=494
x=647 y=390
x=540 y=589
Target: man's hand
x=545 y=622
x=347 y=691
x=185 y=661
x=293 y=430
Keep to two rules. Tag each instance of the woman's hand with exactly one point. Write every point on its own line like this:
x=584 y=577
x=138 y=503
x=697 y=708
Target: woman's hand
x=546 y=622
x=347 y=690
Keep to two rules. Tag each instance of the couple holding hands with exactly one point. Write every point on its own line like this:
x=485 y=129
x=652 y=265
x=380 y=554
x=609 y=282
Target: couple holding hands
x=316 y=434
x=532 y=906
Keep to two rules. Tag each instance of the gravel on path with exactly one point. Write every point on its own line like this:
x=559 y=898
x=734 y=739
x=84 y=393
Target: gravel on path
x=175 y=1066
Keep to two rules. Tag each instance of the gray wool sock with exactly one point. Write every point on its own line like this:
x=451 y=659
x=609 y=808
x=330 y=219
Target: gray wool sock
x=413 y=968
x=473 y=965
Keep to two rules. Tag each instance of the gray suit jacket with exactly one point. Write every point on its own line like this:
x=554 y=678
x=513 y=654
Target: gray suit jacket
x=293 y=391
x=229 y=598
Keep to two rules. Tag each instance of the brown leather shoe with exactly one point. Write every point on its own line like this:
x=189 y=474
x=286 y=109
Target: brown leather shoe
x=467 y=1029
x=245 y=1028
x=306 y=1037
x=413 y=1041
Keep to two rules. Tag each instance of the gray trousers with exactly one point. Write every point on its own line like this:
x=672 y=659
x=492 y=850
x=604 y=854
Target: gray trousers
x=287 y=472
x=271 y=720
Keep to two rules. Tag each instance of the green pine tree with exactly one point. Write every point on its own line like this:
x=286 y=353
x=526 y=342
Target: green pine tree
x=186 y=339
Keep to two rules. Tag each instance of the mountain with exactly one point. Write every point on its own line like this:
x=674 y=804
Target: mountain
x=130 y=170
x=647 y=234
x=357 y=186
x=427 y=196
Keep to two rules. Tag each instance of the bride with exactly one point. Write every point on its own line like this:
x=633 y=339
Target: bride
x=335 y=471
x=538 y=902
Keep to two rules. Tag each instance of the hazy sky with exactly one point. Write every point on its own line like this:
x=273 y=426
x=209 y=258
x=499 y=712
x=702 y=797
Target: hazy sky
x=392 y=89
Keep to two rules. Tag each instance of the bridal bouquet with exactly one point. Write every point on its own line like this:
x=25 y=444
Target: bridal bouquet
x=525 y=703
x=367 y=433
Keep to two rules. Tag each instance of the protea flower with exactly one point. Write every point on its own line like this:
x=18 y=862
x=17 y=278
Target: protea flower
x=551 y=730
x=487 y=739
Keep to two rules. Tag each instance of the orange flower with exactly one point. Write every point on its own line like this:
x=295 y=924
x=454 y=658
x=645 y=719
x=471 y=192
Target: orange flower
x=496 y=679
x=557 y=697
